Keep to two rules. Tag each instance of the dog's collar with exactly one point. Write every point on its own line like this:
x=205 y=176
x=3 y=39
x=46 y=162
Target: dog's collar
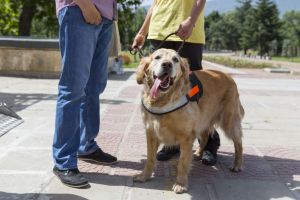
x=183 y=101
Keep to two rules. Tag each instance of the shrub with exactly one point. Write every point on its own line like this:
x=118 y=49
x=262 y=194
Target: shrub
x=236 y=63
x=126 y=59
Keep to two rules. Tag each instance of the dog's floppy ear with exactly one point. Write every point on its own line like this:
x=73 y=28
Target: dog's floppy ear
x=141 y=70
x=185 y=67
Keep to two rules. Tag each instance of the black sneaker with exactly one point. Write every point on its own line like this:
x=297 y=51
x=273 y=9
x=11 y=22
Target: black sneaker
x=209 y=158
x=71 y=178
x=99 y=157
x=166 y=153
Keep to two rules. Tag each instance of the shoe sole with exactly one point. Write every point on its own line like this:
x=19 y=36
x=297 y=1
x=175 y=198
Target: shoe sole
x=73 y=186
x=204 y=162
x=76 y=186
x=98 y=162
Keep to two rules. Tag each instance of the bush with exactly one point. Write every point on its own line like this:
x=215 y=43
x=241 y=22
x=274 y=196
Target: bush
x=126 y=59
x=236 y=63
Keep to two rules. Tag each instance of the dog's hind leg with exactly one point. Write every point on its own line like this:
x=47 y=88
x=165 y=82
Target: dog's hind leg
x=152 y=146
x=238 y=148
x=233 y=130
x=186 y=146
x=203 y=137
x=231 y=118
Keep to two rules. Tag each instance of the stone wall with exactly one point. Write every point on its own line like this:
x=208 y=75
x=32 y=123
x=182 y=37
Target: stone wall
x=29 y=62
x=39 y=58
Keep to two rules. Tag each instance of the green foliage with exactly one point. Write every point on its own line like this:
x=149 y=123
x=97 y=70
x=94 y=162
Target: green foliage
x=267 y=25
x=291 y=33
x=252 y=27
x=236 y=63
x=246 y=22
x=8 y=19
x=130 y=19
x=44 y=21
x=212 y=36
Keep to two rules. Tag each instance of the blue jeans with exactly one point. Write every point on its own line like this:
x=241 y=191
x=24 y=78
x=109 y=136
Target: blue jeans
x=84 y=51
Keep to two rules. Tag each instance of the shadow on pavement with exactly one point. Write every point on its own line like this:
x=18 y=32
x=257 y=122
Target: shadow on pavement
x=112 y=101
x=16 y=196
x=258 y=175
x=21 y=101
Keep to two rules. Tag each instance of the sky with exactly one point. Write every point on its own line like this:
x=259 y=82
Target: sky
x=227 y=5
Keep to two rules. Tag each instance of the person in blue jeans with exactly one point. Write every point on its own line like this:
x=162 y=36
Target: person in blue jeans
x=84 y=37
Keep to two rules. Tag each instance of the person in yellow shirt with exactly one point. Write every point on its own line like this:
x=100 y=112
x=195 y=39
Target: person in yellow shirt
x=187 y=18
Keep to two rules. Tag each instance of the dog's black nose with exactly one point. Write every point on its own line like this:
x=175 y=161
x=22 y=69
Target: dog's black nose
x=166 y=65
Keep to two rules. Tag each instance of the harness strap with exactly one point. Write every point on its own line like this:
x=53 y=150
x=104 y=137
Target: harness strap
x=183 y=101
x=196 y=91
x=194 y=94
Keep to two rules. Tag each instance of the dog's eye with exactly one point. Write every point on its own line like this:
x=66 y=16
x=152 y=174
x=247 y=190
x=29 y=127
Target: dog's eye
x=157 y=57
x=175 y=59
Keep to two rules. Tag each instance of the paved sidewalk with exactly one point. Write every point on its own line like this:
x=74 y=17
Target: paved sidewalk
x=271 y=145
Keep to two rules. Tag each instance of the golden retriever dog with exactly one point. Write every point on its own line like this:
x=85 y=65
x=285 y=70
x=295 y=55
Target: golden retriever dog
x=165 y=79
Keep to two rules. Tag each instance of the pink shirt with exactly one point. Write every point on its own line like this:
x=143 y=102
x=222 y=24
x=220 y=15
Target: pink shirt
x=108 y=8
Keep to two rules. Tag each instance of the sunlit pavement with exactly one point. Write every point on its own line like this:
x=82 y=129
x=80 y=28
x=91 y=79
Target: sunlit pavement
x=271 y=145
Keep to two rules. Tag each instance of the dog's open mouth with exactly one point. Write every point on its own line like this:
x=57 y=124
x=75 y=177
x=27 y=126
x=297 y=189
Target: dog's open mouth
x=161 y=83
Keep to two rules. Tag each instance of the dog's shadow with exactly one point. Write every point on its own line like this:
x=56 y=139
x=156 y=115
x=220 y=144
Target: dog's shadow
x=260 y=174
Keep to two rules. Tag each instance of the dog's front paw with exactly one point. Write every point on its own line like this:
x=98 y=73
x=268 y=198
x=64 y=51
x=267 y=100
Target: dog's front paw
x=140 y=178
x=179 y=189
x=235 y=169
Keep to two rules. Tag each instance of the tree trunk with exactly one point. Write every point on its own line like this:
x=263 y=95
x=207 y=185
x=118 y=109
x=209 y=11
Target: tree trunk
x=25 y=20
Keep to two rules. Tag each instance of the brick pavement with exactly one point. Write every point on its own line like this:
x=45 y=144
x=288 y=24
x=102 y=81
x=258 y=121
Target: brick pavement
x=271 y=145
x=122 y=133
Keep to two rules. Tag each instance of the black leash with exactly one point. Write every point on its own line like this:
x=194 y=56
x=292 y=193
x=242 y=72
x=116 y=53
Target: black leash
x=136 y=50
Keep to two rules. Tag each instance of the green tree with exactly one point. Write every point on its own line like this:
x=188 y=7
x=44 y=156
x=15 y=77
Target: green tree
x=38 y=17
x=231 y=35
x=212 y=33
x=268 y=25
x=244 y=19
x=248 y=31
x=290 y=31
x=39 y=14
x=8 y=19
x=130 y=19
x=222 y=31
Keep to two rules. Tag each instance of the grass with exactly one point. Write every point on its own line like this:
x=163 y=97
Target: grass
x=133 y=63
x=287 y=59
x=236 y=63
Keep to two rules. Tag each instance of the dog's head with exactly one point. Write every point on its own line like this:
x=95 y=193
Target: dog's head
x=162 y=73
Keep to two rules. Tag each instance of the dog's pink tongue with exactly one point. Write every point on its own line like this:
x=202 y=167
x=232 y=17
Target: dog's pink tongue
x=153 y=91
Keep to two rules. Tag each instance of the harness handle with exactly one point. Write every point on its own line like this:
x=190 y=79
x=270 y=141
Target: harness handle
x=164 y=40
x=135 y=50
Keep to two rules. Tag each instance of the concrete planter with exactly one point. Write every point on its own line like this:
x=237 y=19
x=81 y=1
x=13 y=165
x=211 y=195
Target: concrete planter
x=29 y=57
x=40 y=58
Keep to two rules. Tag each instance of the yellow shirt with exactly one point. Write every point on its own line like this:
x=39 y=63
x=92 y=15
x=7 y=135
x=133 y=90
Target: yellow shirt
x=167 y=15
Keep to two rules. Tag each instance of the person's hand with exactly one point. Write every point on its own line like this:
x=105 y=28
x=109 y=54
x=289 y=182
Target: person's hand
x=138 y=41
x=185 y=29
x=90 y=13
